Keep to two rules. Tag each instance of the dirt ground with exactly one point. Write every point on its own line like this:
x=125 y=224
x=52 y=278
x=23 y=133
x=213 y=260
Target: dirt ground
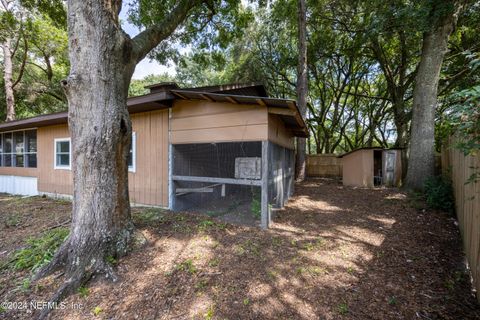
x=333 y=253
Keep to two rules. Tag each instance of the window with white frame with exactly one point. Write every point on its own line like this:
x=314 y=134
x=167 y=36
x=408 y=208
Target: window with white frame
x=18 y=149
x=63 y=153
x=132 y=155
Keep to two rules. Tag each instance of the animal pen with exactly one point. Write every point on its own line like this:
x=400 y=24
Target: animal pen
x=237 y=160
x=242 y=180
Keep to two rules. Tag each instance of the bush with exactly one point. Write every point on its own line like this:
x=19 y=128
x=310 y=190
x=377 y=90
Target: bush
x=39 y=251
x=439 y=193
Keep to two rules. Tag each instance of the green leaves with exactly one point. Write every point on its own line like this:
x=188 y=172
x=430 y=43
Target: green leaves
x=53 y=9
x=466 y=119
x=211 y=24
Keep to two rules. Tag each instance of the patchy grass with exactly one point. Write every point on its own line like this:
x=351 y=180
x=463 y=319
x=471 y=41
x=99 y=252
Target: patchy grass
x=38 y=251
x=187 y=266
x=12 y=220
x=83 y=292
x=149 y=215
x=343 y=308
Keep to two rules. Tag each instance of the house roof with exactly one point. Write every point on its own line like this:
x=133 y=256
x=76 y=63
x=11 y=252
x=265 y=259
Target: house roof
x=162 y=96
x=366 y=148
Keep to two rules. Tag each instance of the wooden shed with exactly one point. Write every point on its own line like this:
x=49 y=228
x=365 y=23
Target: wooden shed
x=369 y=167
x=190 y=147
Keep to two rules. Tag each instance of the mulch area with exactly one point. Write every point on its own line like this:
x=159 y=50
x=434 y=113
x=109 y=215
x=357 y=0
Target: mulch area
x=332 y=253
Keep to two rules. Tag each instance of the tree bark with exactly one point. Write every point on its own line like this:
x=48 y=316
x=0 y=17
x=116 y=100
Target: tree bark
x=302 y=87
x=421 y=162
x=8 y=79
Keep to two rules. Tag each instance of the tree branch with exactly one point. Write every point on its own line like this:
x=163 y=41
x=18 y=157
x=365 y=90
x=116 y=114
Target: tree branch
x=148 y=39
x=24 y=62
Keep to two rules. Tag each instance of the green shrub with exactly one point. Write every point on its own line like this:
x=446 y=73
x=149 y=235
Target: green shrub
x=439 y=193
x=39 y=251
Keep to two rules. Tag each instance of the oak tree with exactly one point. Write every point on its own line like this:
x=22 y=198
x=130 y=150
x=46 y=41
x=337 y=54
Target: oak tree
x=102 y=61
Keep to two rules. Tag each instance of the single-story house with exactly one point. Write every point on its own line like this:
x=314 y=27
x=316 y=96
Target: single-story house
x=189 y=146
x=369 y=167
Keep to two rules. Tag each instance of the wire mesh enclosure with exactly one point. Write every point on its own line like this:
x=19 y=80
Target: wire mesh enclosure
x=281 y=174
x=227 y=179
x=236 y=181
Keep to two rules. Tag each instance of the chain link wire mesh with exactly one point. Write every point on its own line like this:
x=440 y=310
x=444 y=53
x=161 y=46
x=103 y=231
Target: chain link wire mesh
x=232 y=160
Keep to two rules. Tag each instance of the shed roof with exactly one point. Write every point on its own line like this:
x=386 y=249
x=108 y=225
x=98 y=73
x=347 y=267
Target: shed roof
x=162 y=96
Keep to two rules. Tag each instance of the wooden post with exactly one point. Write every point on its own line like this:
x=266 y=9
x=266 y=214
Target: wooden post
x=265 y=217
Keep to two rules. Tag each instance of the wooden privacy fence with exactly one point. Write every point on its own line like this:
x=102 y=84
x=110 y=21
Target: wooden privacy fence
x=324 y=165
x=467 y=204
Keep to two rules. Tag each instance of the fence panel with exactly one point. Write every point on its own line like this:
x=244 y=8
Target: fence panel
x=324 y=165
x=467 y=204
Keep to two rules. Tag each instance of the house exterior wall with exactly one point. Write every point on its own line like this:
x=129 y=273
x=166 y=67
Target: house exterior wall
x=20 y=172
x=278 y=134
x=148 y=184
x=358 y=169
x=204 y=121
x=50 y=180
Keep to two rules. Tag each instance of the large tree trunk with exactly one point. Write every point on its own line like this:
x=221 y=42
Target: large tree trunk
x=421 y=163
x=302 y=86
x=8 y=79
x=100 y=128
x=102 y=59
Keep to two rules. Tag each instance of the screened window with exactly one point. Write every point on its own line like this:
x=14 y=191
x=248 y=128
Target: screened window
x=19 y=139
x=18 y=149
x=62 y=153
x=31 y=149
x=132 y=154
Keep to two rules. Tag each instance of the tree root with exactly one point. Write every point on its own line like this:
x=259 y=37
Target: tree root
x=80 y=260
x=58 y=262
x=79 y=277
x=68 y=287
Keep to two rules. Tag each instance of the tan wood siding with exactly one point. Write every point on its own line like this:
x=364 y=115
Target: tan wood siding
x=50 y=180
x=22 y=172
x=358 y=168
x=277 y=133
x=148 y=184
x=204 y=121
